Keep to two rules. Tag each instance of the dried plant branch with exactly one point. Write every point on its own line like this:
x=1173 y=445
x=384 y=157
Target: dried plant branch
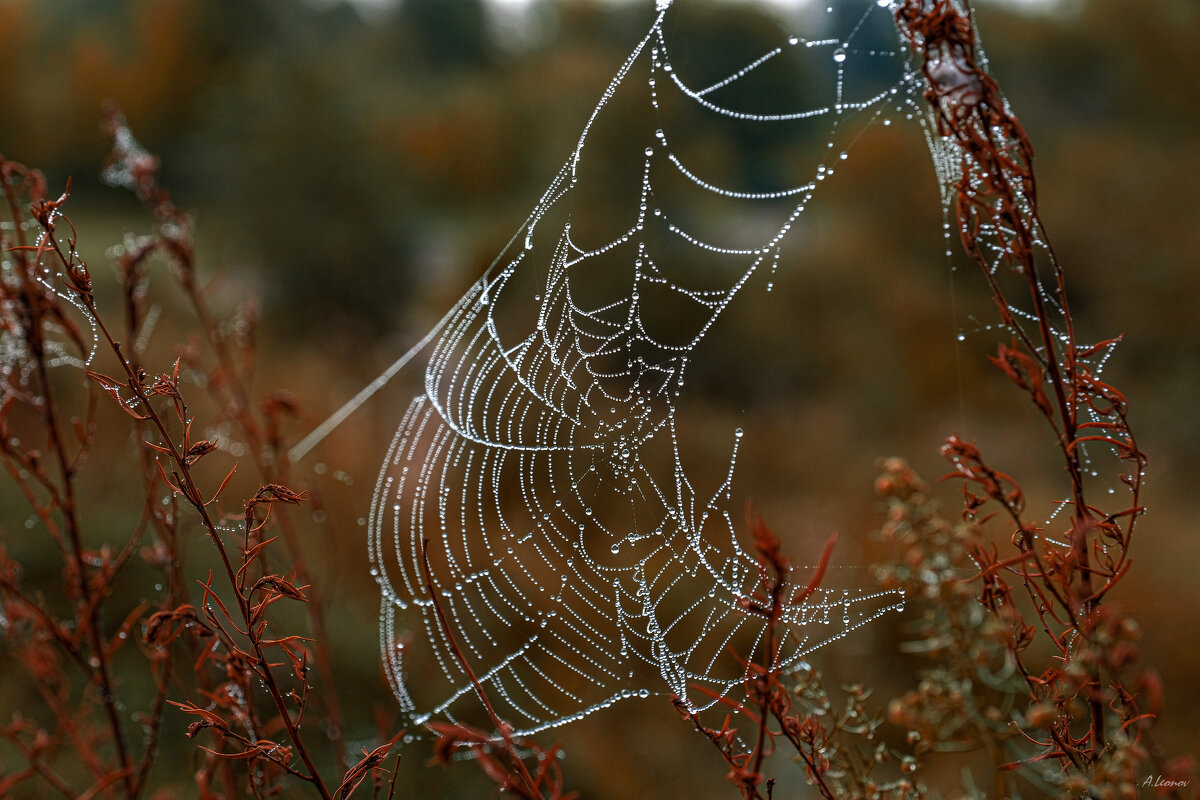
x=132 y=166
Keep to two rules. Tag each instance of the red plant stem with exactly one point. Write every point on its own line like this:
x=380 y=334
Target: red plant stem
x=770 y=671
x=162 y=683
x=461 y=657
x=969 y=108
x=176 y=593
x=1079 y=541
x=238 y=399
x=316 y=618
x=44 y=513
x=49 y=775
x=87 y=606
x=192 y=494
x=811 y=763
x=69 y=721
x=392 y=783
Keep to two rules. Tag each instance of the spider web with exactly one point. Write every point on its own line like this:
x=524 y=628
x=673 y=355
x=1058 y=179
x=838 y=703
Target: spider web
x=577 y=554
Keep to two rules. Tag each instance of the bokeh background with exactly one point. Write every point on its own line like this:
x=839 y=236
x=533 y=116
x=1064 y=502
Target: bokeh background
x=354 y=167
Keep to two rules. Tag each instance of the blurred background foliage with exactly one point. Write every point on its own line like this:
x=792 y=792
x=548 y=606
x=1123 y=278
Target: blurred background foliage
x=354 y=168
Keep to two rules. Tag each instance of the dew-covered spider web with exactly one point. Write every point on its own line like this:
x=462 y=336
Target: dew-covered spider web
x=575 y=551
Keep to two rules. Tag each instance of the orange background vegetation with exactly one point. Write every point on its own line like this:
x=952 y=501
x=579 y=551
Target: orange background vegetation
x=356 y=177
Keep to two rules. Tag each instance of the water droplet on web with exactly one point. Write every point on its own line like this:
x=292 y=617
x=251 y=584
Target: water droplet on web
x=839 y=55
x=649 y=151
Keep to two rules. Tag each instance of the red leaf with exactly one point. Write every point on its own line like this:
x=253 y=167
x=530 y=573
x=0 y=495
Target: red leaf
x=356 y=774
x=113 y=388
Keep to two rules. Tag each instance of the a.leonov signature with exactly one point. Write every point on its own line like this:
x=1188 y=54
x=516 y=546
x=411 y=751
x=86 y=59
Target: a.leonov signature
x=1157 y=781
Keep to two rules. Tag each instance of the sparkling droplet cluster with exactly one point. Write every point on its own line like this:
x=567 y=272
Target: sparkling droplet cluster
x=576 y=556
